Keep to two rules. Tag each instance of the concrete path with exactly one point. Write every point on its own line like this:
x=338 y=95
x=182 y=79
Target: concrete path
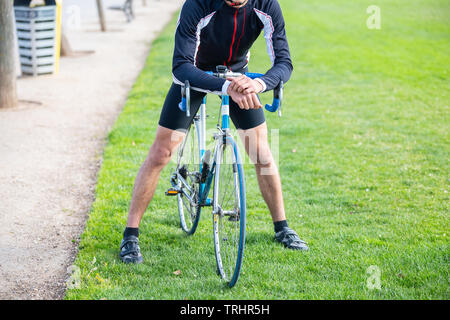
x=50 y=151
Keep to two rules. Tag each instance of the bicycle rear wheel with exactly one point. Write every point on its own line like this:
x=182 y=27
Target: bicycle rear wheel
x=187 y=173
x=229 y=216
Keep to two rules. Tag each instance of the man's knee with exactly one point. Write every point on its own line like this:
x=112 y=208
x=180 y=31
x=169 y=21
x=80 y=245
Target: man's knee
x=257 y=145
x=163 y=147
x=159 y=155
x=264 y=156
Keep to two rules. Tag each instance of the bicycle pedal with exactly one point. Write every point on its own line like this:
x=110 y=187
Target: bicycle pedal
x=172 y=192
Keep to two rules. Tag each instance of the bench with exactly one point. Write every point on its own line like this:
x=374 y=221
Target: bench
x=127 y=8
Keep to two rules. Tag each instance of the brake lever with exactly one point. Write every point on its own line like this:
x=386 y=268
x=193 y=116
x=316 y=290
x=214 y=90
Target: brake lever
x=185 y=104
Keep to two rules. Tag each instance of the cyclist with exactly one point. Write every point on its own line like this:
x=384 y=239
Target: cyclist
x=211 y=33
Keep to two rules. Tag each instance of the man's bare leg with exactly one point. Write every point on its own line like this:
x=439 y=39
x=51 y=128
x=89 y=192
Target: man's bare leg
x=257 y=147
x=159 y=155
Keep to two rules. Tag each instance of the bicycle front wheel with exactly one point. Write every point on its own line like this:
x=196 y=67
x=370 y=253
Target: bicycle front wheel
x=229 y=216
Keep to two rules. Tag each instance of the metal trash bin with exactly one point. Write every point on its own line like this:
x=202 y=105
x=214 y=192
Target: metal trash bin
x=37 y=34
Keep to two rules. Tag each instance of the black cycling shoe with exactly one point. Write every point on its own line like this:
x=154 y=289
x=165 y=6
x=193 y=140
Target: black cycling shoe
x=130 y=251
x=290 y=239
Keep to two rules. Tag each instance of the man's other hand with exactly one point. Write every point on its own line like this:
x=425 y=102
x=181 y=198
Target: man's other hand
x=244 y=100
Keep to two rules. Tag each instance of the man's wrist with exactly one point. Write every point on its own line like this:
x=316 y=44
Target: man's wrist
x=225 y=86
x=262 y=83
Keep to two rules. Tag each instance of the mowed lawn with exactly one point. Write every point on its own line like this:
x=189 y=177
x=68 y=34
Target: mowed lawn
x=363 y=155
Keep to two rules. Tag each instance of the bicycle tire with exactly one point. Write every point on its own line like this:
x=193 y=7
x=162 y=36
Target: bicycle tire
x=230 y=220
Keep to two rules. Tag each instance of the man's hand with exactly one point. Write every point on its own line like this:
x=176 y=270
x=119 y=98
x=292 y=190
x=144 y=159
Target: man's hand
x=244 y=100
x=244 y=84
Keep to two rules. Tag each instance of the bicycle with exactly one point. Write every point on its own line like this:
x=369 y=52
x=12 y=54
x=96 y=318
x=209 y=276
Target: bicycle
x=194 y=174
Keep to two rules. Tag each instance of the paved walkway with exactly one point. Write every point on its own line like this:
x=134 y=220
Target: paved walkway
x=50 y=151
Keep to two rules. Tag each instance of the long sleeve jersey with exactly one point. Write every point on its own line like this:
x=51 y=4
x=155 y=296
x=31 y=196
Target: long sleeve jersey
x=211 y=33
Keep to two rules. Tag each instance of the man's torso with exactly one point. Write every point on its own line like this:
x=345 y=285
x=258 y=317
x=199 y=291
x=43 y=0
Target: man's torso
x=226 y=34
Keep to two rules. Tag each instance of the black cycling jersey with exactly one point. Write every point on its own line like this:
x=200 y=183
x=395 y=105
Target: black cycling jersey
x=211 y=33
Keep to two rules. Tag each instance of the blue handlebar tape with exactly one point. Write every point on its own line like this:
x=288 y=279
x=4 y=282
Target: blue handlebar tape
x=253 y=75
x=274 y=106
x=182 y=104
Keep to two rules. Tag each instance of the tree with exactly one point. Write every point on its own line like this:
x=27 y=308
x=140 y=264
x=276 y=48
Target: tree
x=101 y=16
x=8 y=93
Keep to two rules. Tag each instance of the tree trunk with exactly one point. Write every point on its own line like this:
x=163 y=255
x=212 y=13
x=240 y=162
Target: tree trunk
x=8 y=93
x=66 y=49
x=101 y=16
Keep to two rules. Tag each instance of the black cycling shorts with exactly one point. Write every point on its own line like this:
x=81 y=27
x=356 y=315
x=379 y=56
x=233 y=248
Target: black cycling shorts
x=173 y=118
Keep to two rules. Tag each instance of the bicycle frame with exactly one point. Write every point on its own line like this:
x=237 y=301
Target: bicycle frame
x=200 y=127
x=221 y=138
x=224 y=128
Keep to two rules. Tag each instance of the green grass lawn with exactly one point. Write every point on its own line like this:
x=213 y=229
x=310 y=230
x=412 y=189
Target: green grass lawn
x=363 y=156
